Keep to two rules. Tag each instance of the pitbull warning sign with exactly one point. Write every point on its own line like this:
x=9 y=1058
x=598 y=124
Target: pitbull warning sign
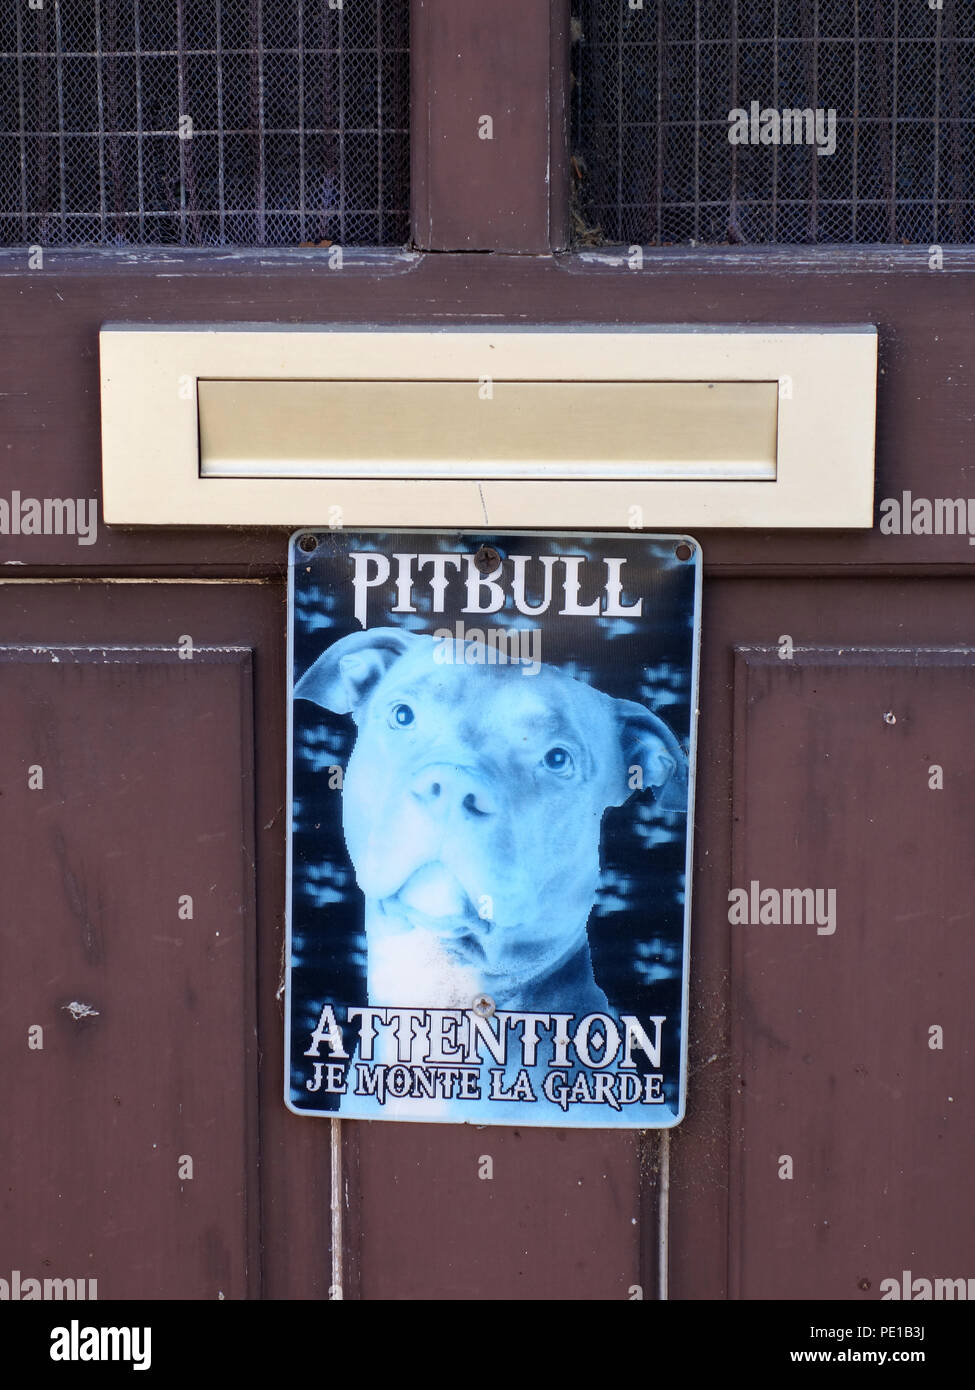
x=491 y=789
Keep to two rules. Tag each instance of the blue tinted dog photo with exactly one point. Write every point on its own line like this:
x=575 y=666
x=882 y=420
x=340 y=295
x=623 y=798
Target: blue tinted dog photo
x=472 y=809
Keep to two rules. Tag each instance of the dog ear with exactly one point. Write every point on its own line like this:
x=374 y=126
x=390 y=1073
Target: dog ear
x=347 y=673
x=650 y=747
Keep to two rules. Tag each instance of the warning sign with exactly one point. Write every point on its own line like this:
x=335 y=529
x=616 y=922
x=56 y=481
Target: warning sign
x=491 y=762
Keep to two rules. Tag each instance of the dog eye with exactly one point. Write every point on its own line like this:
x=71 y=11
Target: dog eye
x=400 y=716
x=558 y=760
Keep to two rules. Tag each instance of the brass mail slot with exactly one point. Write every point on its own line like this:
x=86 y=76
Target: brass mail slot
x=549 y=427
x=488 y=429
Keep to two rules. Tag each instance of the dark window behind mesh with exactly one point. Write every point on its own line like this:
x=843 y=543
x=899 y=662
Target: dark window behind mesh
x=653 y=88
x=293 y=116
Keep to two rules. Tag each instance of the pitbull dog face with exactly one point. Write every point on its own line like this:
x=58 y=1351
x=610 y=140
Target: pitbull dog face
x=472 y=807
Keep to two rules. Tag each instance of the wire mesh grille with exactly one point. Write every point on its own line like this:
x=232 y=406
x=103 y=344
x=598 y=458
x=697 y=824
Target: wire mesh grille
x=660 y=158
x=204 y=122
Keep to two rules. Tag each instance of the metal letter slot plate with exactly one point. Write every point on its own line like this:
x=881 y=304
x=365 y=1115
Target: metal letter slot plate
x=572 y=428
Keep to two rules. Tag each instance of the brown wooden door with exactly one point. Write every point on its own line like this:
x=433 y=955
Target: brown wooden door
x=162 y=780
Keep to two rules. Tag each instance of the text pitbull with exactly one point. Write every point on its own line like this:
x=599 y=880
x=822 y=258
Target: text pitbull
x=487 y=593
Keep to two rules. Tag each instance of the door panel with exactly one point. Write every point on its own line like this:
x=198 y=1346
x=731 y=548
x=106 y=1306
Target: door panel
x=784 y=1009
x=128 y=1050
x=230 y=791
x=852 y=1028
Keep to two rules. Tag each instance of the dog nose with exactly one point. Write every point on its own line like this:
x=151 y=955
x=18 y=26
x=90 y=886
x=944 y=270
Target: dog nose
x=445 y=788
